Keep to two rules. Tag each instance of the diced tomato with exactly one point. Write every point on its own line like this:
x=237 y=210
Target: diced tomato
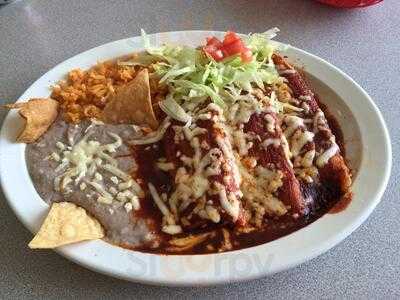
x=218 y=55
x=233 y=48
x=247 y=55
x=231 y=45
x=210 y=48
x=213 y=41
x=230 y=37
x=214 y=52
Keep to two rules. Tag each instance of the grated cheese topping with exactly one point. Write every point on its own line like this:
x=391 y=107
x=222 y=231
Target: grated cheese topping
x=80 y=165
x=327 y=154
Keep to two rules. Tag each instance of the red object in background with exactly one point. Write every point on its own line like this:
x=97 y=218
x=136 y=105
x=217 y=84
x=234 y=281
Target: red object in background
x=350 y=3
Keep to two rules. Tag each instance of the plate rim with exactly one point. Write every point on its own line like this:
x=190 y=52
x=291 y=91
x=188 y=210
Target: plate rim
x=328 y=244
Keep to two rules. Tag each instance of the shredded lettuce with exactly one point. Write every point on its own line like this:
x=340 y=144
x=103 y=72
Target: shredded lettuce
x=261 y=46
x=174 y=110
x=277 y=105
x=191 y=75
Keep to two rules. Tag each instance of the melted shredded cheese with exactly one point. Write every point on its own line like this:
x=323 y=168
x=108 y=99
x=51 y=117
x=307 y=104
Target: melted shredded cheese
x=292 y=123
x=308 y=158
x=160 y=204
x=116 y=171
x=268 y=142
x=154 y=136
x=327 y=154
x=100 y=189
x=82 y=158
x=230 y=159
x=213 y=213
x=299 y=140
x=239 y=139
x=172 y=229
x=270 y=122
x=166 y=166
x=229 y=202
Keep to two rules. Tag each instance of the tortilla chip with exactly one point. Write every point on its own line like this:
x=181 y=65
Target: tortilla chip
x=66 y=223
x=39 y=115
x=132 y=103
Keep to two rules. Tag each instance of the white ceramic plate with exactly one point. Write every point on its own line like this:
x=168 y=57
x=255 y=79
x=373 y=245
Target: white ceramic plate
x=368 y=150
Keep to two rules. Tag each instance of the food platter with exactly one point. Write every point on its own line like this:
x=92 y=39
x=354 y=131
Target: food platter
x=367 y=149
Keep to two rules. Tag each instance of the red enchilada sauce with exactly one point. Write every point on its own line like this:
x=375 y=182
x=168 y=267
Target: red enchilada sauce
x=326 y=199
